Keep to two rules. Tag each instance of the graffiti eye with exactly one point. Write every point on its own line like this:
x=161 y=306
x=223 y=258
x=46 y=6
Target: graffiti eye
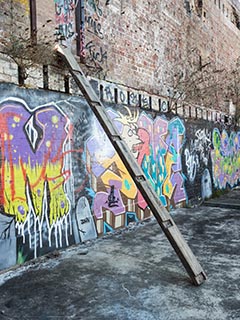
x=130 y=132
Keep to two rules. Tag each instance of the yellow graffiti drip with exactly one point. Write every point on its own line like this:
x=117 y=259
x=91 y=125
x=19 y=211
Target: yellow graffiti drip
x=167 y=185
x=15 y=198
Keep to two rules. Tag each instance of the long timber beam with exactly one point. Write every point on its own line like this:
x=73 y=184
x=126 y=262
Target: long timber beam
x=161 y=214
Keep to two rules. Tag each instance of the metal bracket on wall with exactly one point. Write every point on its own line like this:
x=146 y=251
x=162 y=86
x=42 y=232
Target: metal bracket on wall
x=161 y=214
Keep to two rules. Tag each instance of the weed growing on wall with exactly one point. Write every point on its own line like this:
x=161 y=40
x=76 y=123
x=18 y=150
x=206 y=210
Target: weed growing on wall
x=27 y=48
x=195 y=81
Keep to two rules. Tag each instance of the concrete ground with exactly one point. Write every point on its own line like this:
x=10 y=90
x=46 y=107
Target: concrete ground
x=134 y=274
x=229 y=200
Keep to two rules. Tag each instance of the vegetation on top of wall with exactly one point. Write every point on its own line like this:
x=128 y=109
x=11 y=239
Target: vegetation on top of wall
x=195 y=81
x=27 y=48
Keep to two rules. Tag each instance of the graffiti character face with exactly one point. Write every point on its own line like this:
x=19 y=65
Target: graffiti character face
x=130 y=135
x=134 y=136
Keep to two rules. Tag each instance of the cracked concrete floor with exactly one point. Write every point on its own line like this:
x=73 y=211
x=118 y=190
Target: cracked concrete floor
x=134 y=274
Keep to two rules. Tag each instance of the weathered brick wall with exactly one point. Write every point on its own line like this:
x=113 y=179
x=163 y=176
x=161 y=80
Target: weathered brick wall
x=8 y=70
x=136 y=43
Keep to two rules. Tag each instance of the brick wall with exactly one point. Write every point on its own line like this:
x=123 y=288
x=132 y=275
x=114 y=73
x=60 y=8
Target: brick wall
x=8 y=70
x=136 y=43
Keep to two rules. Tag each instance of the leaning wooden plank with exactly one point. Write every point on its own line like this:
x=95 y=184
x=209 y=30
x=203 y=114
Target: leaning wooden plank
x=162 y=216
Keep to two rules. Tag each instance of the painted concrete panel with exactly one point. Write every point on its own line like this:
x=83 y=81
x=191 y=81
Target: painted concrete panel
x=63 y=183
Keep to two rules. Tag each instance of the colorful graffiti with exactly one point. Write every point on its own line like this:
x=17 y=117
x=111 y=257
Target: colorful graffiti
x=225 y=158
x=156 y=144
x=35 y=171
x=64 y=13
x=61 y=181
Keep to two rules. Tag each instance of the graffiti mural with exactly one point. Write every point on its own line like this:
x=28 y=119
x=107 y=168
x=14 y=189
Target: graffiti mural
x=62 y=183
x=197 y=152
x=156 y=144
x=196 y=160
x=45 y=197
x=35 y=175
x=225 y=158
x=65 y=17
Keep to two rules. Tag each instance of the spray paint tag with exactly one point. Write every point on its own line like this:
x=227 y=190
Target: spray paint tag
x=86 y=225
